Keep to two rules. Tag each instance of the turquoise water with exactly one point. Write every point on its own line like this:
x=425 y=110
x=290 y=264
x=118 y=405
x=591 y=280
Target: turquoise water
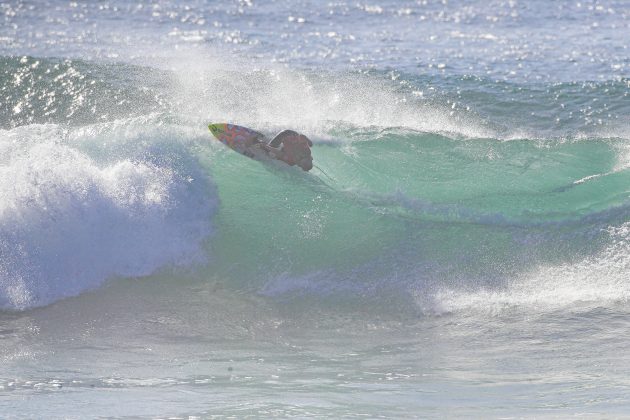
x=461 y=249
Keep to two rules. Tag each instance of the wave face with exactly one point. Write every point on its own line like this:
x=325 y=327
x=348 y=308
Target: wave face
x=444 y=193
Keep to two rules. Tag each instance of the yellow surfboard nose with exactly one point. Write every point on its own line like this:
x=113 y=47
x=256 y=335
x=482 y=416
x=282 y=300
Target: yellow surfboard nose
x=217 y=129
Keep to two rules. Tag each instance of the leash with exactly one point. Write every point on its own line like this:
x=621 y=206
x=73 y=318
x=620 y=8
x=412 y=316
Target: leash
x=322 y=171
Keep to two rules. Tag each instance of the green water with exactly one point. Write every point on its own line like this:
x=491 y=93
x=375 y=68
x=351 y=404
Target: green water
x=394 y=203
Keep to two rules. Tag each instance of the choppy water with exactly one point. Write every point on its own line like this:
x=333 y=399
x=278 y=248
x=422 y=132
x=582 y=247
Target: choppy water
x=463 y=248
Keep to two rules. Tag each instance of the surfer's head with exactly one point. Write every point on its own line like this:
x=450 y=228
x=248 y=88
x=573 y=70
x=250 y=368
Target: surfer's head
x=304 y=158
x=297 y=151
x=306 y=163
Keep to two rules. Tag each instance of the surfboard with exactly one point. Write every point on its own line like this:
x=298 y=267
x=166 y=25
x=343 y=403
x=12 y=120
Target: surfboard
x=237 y=138
x=255 y=145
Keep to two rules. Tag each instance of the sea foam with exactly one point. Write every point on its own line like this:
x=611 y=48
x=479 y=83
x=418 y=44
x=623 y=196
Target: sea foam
x=69 y=222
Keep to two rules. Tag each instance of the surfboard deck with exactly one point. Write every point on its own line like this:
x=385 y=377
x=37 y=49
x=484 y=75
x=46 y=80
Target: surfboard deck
x=238 y=138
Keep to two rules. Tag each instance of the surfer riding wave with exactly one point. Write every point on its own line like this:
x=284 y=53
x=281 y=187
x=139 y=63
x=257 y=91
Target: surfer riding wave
x=288 y=146
x=292 y=148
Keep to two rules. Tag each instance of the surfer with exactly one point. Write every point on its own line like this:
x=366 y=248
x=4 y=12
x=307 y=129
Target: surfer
x=290 y=147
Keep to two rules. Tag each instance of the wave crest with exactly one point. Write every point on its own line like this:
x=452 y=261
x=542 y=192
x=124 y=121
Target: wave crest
x=68 y=223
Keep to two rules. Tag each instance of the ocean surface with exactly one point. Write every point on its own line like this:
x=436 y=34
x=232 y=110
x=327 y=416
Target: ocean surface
x=462 y=248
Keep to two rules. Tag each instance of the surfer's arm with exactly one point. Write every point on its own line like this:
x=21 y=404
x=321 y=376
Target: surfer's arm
x=253 y=141
x=273 y=152
x=256 y=140
x=270 y=148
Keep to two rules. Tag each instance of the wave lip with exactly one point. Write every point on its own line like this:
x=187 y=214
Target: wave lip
x=67 y=223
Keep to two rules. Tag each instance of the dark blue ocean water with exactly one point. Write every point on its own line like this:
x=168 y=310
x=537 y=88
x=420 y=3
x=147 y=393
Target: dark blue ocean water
x=461 y=249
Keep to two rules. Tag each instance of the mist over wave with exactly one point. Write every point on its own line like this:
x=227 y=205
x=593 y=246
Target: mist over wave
x=205 y=85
